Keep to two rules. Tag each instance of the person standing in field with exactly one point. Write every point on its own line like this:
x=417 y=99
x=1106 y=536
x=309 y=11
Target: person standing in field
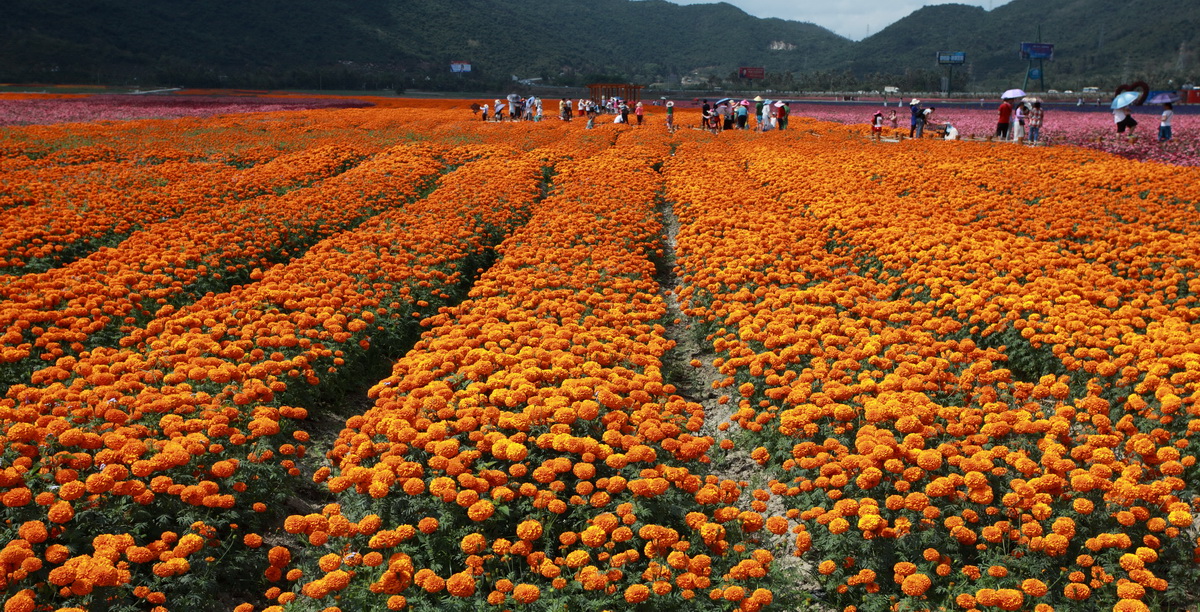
x=1004 y=121
x=892 y=118
x=1035 y=121
x=484 y=110
x=914 y=111
x=1124 y=121
x=638 y=112
x=624 y=110
x=1164 y=123
x=670 y=116
x=782 y=116
x=1018 y=127
x=877 y=126
x=923 y=119
x=704 y=113
x=758 y=113
x=743 y=114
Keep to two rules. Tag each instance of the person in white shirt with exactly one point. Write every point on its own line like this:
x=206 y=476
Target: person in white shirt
x=1164 y=124
x=1124 y=121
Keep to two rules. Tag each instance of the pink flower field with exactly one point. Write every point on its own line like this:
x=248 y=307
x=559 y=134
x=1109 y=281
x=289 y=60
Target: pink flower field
x=1091 y=128
x=24 y=109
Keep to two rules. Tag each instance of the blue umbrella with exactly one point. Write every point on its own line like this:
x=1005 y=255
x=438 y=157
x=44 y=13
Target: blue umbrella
x=723 y=101
x=1125 y=98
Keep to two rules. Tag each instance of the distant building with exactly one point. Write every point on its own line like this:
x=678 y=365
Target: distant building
x=624 y=91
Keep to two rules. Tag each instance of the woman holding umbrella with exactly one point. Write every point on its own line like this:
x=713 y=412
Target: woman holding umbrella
x=1122 y=116
x=1004 y=121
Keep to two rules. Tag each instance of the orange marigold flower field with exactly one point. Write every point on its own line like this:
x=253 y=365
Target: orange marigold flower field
x=399 y=358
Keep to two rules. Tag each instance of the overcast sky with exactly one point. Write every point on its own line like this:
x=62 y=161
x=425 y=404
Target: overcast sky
x=854 y=19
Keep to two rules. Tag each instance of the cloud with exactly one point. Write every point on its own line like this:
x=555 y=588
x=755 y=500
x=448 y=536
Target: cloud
x=854 y=19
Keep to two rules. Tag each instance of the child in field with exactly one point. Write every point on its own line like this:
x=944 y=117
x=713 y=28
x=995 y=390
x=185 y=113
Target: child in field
x=1164 y=123
x=877 y=125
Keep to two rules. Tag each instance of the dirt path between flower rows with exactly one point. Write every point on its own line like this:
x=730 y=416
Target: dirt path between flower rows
x=696 y=384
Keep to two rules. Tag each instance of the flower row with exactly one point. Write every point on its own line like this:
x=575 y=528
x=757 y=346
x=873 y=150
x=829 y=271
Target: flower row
x=528 y=451
x=90 y=302
x=188 y=432
x=69 y=219
x=967 y=390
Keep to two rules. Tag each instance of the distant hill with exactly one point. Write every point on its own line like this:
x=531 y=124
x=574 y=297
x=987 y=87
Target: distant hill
x=79 y=39
x=1101 y=42
x=410 y=43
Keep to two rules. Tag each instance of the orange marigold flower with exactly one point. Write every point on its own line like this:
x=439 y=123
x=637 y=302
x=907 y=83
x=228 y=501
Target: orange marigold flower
x=33 y=531
x=279 y=556
x=22 y=601
x=461 y=584
x=481 y=510
x=734 y=593
x=636 y=593
x=529 y=530
x=60 y=512
x=1131 y=605
x=473 y=543
x=916 y=585
x=526 y=593
x=330 y=562
x=777 y=525
x=1034 y=587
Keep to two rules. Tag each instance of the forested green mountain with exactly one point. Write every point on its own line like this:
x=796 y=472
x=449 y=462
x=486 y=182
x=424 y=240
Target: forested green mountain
x=410 y=43
x=201 y=40
x=1101 y=42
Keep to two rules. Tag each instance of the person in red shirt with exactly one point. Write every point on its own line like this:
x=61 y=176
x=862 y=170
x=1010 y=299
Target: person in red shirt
x=1005 y=120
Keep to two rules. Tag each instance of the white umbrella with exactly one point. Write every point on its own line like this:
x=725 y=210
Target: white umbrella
x=1012 y=93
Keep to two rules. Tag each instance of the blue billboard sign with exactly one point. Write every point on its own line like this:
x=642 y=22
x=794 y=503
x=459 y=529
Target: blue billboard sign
x=1037 y=51
x=955 y=58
